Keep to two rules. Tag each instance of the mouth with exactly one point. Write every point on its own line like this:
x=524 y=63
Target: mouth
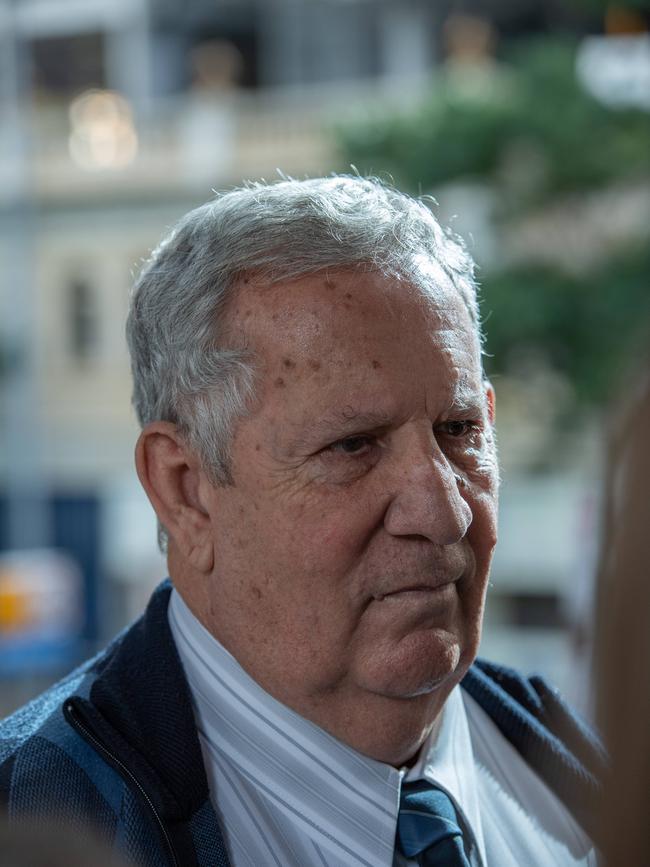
x=415 y=589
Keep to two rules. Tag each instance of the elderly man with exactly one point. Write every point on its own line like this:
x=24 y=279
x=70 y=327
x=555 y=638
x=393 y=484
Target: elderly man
x=317 y=443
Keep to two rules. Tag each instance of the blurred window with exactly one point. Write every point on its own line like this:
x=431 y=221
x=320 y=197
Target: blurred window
x=223 y=60
x=63 y=65
x=541 y=610
x=82 y=320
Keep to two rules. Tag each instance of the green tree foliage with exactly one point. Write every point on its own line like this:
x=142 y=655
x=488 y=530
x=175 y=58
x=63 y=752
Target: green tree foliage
x=593 y=329
x=529 y=129
x=474 y=120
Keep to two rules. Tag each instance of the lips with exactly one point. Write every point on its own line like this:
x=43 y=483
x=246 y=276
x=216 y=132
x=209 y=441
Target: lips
x=415 y=588
x=436 y=569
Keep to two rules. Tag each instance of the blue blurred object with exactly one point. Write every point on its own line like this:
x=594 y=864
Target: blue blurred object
x=41 y=611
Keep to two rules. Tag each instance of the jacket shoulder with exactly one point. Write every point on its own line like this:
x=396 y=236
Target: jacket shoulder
x=550 y=736
x=505 y=692
x=46 y=769
x=76 y=755
x=31 y=719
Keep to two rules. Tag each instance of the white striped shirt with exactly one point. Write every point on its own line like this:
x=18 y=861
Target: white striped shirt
x=289 y=794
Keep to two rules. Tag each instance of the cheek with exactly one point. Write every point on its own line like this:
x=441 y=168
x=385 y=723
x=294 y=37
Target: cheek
x=307 y=542
x=321 y=550
x=345 y=526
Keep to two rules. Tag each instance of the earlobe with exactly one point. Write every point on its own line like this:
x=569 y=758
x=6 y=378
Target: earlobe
x=170 y=476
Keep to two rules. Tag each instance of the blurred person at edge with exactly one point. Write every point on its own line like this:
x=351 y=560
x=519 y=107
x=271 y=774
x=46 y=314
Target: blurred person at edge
x=43 y=844
x=317 y=442
x=622 y=645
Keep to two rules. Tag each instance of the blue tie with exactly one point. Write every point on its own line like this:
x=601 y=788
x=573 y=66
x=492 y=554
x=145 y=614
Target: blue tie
x=427 y=827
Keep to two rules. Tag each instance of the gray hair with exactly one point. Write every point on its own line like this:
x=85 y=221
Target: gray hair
x=177 y=323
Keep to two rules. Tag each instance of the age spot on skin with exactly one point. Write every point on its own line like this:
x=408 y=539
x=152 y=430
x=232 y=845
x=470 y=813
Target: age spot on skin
x=315 y=365
x=348 y=295
x=279 y=382
x=375 y=364
x=288 y=363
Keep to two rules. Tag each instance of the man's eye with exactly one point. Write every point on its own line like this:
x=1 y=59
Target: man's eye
x=351 y=445
x=459 y=429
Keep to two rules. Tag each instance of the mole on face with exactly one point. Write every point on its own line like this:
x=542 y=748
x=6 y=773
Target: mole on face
x=288 y=363
x=375 y=364
x=279 y=382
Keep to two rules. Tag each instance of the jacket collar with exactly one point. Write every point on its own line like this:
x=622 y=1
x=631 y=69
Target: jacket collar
x=551 y=738
x=140 y=708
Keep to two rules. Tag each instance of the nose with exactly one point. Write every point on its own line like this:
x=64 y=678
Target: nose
x=427 y=501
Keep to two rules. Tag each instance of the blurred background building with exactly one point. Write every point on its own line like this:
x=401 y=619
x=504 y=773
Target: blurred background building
x=528 y=122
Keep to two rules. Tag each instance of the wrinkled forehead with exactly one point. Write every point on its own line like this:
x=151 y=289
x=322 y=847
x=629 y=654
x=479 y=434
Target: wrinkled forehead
x=259 y=304
x=354 y=327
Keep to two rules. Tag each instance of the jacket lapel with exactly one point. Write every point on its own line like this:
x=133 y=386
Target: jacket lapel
x=548 y=735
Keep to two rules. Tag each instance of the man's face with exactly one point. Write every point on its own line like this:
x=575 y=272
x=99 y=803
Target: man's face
x=352 y=551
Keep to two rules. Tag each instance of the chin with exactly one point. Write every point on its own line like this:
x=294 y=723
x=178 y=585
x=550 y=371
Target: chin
x=421 y=664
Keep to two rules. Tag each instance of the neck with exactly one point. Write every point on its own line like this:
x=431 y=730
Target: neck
x=389 y=730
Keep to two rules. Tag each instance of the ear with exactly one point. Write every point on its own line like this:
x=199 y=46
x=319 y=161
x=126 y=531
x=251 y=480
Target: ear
x=491 y=398
x=175 y=484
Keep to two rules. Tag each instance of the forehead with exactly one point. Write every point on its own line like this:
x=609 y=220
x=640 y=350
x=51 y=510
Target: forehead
x=347 y=331
x=259 y=309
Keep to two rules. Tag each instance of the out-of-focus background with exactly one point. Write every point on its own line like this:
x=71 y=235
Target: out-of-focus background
x=527 y=121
